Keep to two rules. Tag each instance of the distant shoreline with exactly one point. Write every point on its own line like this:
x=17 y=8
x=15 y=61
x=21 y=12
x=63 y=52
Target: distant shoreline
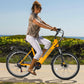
x=5 y=35
x=75 y=37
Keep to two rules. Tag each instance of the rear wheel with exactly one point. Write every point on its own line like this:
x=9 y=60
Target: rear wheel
x=13 y=66
x=67 y=69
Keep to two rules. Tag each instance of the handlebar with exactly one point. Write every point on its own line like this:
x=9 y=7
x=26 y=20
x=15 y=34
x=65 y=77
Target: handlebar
x=59 y=31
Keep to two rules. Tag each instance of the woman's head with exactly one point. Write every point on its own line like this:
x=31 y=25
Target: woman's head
x=36 y=7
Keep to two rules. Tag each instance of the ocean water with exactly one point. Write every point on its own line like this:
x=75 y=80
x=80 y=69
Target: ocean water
x=64 y=36
x=1 y=35
x=74 y=37
x=4 y=35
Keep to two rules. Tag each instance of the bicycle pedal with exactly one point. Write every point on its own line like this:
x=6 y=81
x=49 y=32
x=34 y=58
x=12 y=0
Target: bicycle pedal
x=37 y=65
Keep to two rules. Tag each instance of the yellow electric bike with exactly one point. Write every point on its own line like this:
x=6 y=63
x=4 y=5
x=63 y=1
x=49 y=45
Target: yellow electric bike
x=64 y=65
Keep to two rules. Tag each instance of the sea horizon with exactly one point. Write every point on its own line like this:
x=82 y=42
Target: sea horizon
x=75 y=37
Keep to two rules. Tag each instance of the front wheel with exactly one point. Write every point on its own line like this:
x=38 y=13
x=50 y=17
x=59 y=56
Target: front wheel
x=13 y=66
x=67 y=69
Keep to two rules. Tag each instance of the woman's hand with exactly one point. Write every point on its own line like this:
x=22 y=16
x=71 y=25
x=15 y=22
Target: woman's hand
x=54 y=29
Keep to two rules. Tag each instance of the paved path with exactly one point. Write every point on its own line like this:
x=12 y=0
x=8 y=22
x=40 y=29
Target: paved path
x=43 y=75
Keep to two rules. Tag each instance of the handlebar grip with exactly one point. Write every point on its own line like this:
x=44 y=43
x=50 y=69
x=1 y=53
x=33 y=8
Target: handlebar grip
x=57 y=32
x=58 y=29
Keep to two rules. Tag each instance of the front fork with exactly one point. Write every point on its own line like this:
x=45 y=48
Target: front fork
x=60 y=52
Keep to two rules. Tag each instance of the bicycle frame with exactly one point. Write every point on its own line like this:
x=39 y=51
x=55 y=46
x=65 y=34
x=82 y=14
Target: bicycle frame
x=47 y=53
x=32 y=50
x=54 y=44
x=42 y=59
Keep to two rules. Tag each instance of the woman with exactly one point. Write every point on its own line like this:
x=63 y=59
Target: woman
x=32 y=36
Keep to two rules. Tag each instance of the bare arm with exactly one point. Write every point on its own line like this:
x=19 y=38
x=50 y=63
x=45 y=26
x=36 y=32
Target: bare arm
x=44 y=25
x=41 y=24
x=44 y=22
x=54 y=28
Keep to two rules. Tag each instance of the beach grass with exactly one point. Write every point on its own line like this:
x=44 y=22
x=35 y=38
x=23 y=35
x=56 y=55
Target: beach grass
x=75 y=46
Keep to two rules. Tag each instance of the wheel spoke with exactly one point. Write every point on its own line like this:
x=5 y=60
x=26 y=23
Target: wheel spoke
x=12 y=64
x=67 y=70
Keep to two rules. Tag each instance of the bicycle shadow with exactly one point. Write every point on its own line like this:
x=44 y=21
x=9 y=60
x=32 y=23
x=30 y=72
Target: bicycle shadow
x=59 y=81
x=13 y=79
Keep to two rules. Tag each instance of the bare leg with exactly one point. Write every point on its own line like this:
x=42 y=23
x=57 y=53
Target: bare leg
x=31 y=66
x=33 y=62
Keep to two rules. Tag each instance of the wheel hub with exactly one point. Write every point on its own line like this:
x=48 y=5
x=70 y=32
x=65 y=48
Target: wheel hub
x=64 y=65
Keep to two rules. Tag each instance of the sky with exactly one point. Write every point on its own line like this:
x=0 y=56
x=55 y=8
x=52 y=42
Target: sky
x=65 y=14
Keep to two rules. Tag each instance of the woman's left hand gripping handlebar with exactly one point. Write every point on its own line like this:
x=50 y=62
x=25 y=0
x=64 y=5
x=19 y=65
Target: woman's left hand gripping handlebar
x=54 y=29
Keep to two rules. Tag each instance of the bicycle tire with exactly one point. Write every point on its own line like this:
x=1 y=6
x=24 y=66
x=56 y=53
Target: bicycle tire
x=8 y=64
x=57 y=74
